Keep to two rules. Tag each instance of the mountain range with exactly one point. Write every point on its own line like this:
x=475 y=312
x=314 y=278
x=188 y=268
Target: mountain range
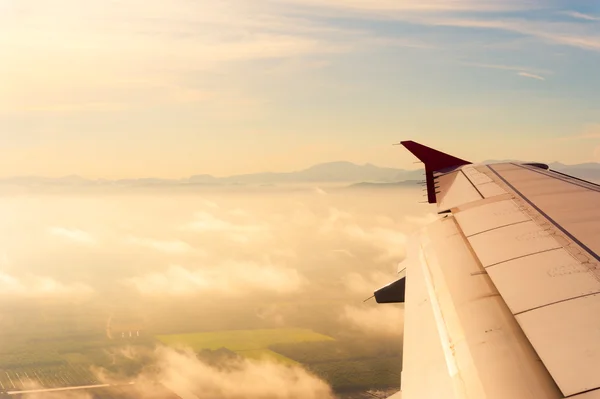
x=331 y=172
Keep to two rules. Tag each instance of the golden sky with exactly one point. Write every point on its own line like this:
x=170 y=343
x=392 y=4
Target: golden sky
x=132 y=88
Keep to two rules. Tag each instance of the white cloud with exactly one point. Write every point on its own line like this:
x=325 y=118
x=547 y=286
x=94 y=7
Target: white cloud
x=137 y=54
x=189 y=377
x=390 y=242
x=580 y=15
x=531 y=75
x=516 y=68
x=239 y=212
x=167 y=246
x=32 y=286
x=75 y=235
x=344 y=252
x=590 y=131
x=240 y=232
x=569 y=34
x=230 y=278
x=384 y=319
x=336 y=220
x=422 y=6
x=366 y=284
x=422 y=220
x=207 y=222
x=319 y=190
x=210 y=204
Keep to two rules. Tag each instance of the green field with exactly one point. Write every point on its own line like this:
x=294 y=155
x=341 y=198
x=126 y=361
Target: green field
x=253 y=344
x=266 y=354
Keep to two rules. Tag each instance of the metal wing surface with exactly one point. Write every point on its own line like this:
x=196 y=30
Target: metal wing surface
x=502 y=293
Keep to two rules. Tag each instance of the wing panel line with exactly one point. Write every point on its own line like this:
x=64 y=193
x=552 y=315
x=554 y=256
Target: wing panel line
x=498 y=227
x=561 y=178
x=523 y=256
x=473 y=184
x=555 y=302
x=558 y=226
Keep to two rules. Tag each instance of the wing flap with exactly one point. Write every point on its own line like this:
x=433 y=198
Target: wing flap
x=511 y=242
x=481 y=352
x=567 y=339
x=484 y=218
x=541 y=279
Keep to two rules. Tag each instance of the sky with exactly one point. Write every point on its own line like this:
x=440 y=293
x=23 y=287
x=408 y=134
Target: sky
x=132 y=88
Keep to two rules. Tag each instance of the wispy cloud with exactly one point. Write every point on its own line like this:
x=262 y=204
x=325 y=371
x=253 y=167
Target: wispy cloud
x=530 y=75
x=580 y=15
x=167 y=246
x=507 y=67
x=570 y=34
x=74 y=235
x=590 y=132
x=422 y=6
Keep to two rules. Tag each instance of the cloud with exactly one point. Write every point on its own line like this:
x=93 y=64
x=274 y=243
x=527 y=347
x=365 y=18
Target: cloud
x=345 y=252
x=335 y=220
x=167 y=246
x=74 y=235
x=138 y=54
x=239 y=212
x=210 y=204
x=590 y=131
x=421 y=6
x=187 y=376
x=59 y=394
x=422 y=220
x=205 y=222
x=33 y=286
x=580 y=15
x=506 y=67
x=531 y=75
x=319 y=190
x=366 y=284
x=230 y=278
x=390 y=242
x=385 y=319
x=569 y=34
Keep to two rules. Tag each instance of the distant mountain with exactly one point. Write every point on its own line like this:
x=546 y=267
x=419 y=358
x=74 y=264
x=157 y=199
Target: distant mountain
x=366 y=175
x=587 y=171
x=405 y=183
x=331 y=172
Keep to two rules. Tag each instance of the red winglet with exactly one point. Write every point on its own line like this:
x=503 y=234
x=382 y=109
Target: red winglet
x=434 y=160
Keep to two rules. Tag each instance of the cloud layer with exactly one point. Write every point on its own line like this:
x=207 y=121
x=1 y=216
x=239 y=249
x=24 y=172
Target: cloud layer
x=32 y=286
x=230 y=278
x=385 y=319
x=190 y=378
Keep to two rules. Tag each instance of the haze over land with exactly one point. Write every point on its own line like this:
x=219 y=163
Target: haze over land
x=79 y=273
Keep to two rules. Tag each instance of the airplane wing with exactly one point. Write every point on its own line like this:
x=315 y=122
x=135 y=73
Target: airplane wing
x=502 y=292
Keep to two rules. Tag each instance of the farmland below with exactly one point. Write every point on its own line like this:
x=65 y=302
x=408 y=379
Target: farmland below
x=228 y=287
